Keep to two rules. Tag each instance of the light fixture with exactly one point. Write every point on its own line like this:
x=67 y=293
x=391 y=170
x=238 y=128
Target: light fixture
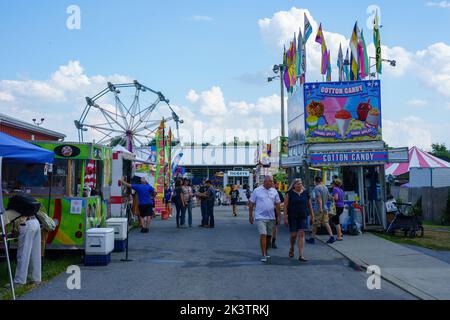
x=276 y=69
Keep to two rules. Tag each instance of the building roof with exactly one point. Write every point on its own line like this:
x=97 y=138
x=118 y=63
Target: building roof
x=13 y=122
x=217 y=156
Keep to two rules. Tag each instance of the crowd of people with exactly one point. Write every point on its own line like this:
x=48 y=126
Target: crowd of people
x=301 y=209
x=304 y=210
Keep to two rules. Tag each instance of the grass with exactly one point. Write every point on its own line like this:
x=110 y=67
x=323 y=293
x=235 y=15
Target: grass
x=52 y=265
x=433 y=225
x=435 y=240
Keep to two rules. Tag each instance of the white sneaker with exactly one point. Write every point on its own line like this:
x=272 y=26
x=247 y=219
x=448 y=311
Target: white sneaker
x=263 y=259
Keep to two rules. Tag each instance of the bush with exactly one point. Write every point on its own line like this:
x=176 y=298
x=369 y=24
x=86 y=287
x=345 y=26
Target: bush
x=446 y=212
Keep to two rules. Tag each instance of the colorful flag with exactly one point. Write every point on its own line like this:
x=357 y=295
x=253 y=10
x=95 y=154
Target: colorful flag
x=293 y=73
x=340 y=64
x=285 y=74
x=299 y=70
x=377 y=43
x=303 y=64
x=321 y=39
x=363 y=57
x=354 y=53
x=308 y=28
x=346 y=69
x=329 y=66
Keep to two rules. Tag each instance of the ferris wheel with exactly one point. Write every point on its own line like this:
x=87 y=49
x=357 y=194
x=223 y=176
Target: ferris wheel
x=110 y=118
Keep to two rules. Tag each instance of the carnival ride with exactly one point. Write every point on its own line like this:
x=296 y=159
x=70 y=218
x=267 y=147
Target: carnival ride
x=112 y=120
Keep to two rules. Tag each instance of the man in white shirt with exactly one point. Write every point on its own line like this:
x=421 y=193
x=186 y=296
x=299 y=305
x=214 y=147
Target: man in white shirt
x=264 y=201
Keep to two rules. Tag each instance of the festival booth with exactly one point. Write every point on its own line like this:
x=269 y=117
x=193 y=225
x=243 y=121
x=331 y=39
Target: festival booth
x=422 y=170
x=335 y=129
x=75 y=191
x=13 y=151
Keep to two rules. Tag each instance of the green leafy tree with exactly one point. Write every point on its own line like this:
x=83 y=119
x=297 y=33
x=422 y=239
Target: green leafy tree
x=440 y=150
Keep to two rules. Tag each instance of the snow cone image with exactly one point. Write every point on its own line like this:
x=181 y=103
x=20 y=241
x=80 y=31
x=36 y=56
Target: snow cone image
x=372 y=119
x=343 y=119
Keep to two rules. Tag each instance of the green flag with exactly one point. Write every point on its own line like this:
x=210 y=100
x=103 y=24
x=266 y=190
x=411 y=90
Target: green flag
x=377 y=43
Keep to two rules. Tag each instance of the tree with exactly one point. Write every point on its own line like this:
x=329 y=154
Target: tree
x=440 y=150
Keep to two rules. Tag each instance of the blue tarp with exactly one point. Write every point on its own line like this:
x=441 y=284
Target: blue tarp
x=16 y=150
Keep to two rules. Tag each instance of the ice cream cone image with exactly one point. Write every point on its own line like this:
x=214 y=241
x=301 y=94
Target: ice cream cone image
x=312 y=122
x=343 y=119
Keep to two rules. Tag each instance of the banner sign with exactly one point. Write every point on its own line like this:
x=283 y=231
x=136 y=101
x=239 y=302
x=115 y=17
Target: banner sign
x=343 y=111
x=349 y=158
x=284 y=147
x=160 y=169
x=238 y=174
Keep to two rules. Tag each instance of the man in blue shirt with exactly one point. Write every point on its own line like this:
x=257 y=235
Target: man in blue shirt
x=145 y=193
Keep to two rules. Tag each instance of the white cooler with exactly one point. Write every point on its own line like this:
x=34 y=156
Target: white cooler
x=99 y=241
x=120 y=227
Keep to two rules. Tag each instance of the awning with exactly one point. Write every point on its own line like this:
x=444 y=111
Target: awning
x=16 y=150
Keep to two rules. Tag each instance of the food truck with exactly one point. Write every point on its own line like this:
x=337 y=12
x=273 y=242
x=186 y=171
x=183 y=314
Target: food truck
x=75 y=190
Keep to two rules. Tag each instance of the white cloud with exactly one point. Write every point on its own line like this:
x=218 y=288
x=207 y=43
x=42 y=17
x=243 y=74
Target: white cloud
x=433 y=67
x=202 y=18
x=192 y=96
x=70 y=77
x=6 y=97
x=417 y=103
x=211 y=102
x=246 y=120
x=264 y=105
x=442 y=4
x=410 y=131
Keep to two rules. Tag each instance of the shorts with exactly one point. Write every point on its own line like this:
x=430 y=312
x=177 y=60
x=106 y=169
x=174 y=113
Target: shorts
x=234 y=202
x=265 y=227
x=335 y=219
x=321 y=218
x=298 y=224
x=146 y=210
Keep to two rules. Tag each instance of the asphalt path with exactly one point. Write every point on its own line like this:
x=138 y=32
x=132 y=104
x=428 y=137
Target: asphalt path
x=217 y=264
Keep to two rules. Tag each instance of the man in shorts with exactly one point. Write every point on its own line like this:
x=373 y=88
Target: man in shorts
x=265 y=203
x=146 y=194
x=321 y=196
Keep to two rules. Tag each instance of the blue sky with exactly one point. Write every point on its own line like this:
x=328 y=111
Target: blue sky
x=179 y=46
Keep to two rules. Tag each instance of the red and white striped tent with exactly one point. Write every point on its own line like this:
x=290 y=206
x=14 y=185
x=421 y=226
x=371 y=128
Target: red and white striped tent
x=417 y=159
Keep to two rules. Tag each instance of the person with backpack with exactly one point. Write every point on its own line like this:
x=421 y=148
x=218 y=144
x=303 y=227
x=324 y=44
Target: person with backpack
x=145 y=194
x=321 y=196
x=298 y=211
x=180 y=202
x=338 y=197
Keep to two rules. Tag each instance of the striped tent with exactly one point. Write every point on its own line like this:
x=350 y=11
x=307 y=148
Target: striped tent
x=417 y=159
